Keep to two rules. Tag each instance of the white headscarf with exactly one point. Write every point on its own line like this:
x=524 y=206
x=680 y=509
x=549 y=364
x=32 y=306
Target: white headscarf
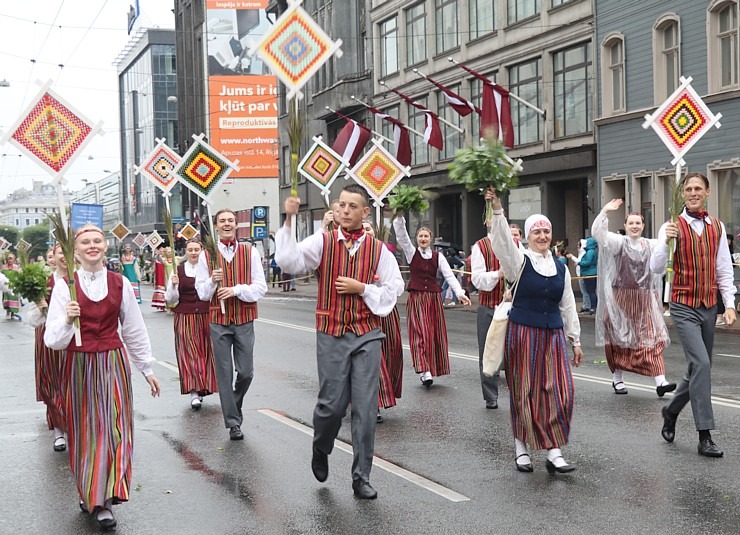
x=536 y=221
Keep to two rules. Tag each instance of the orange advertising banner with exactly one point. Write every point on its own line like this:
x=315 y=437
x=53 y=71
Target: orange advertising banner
x=236 y=4
x=244 y=123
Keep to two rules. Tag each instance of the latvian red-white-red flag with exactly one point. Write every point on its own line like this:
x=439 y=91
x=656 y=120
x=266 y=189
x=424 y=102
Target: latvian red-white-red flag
x=400 y=137
x=496 y=111
x=432 y=132
x=461 y=105
x=351 y=140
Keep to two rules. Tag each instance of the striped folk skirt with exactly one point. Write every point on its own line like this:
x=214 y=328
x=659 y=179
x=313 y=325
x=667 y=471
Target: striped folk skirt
x=100 y=425
x=158 y=300
x=137 y=291
x=393 y=349
x=428 y=333
x=49 y=380
x=647 y=360
x=194 y=351
x=540 y=385
x=11 y=303
x=386 y=399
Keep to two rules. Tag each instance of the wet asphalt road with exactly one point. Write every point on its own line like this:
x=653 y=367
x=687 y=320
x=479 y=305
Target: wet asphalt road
x=189 y=478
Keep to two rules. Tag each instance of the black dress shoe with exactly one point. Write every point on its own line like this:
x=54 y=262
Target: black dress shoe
x=320 y=465
x=663 y=389
x=379 y=418
x=235 y=433
x=84 y=508
x=526 y=467
x=669 y=425
x=60 y=444
x=621 y=390
x=708 y=448
x=492 y=404
x=363 y=490
x=551 y=468
x=106 y=523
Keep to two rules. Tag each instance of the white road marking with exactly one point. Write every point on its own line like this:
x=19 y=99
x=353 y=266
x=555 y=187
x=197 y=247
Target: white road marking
x=411 y=477
x=168 y=365
x=580 y=376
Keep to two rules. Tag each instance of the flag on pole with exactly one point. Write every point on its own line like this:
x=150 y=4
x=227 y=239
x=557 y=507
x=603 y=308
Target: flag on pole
x=351 y=140
x=461 y=105
x=400 y=137
x=496 y=110
x=432 y=131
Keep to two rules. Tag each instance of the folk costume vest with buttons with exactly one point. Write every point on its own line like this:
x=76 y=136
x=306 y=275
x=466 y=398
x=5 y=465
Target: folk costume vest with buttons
x=424 y=273
x=494 y=297
x=238 y=271
x=189 y=303
x=537 y=300
x=335 y=313
x=99 y=321
x=694 y=263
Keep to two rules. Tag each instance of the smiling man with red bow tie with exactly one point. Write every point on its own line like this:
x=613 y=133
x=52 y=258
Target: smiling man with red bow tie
x=242 y=285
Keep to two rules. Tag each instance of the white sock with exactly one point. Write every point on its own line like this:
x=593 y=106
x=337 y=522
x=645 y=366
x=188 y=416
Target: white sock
x=660 y=380
x=58 y=433
x=555 y=456
x=617 y=377
x=521 y=449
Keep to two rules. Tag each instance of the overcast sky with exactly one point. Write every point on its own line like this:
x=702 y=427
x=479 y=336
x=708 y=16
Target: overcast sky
x=84 y=36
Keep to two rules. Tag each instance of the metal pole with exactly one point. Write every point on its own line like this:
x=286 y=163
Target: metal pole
x=405 y=126
x=446 y=122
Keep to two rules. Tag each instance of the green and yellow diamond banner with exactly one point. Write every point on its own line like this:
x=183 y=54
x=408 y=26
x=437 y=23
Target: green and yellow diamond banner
x=682 y=120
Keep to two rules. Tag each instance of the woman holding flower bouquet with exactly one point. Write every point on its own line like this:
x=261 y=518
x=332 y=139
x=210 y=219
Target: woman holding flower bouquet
x=98 y=408
x=11 y=301
x=543 y=317
x=426 y=320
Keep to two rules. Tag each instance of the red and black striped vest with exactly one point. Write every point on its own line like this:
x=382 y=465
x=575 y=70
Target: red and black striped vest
x=99 y=321
x=336 y=314
x=494 y=297
x=238 y=271
x=694 y=263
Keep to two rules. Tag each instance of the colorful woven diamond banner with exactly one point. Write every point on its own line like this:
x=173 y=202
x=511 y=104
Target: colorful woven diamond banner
x=202 y=168
x=51 y=132
x=158 y=166
x=4 y=244
x=295 y=48
x=321 y=165
x=154 y=240
x=120 y=231
x=378 y=172
x=682 y=120
x=140 y=240
x=189 y=232
x=22 y=246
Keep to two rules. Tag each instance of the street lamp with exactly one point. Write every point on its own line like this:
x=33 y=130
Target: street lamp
x=4 y=83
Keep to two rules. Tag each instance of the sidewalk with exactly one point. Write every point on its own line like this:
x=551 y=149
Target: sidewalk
x=305 y=290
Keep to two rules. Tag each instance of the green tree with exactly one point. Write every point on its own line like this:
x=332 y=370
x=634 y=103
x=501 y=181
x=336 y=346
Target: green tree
x=10 y=234
x=37 y=236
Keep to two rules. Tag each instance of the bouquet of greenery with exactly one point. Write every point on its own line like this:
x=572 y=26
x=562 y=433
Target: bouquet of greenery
x=483 y=166
x=31 y=281
x=408 y=199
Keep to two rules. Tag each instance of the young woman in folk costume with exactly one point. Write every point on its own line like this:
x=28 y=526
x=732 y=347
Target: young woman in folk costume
x=98 y=402
x=426 y=320
x=49 y=362
x=160 y=281
x=131 y=270
x=11 y=301
x=629 y=314
x=391 y=363
x=193 y=346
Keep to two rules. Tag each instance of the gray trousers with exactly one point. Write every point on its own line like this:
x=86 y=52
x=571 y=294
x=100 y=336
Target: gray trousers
x=349 y=370
x=240 y=338
x=488 y=384
x=695 y=328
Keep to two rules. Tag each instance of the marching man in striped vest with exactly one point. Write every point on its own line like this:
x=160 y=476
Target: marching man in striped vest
x=239 y=282
x=702 y=264
x=358 y=281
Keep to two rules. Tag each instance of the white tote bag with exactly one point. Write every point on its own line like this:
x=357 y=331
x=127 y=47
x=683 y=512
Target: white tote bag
x=493 y=351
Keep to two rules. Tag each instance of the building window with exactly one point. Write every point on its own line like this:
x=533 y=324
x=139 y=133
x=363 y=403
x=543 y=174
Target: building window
x=286 y=166
x=17 y=222
x=572 y=92
x=417 y=121
x=556 y=3
x=36 y=221
x=482 y=18
x=666 y=57
x=722 y=41
x=28 y=222
x=612 y=75
x=386 y=128
x=522 y=9
x=452 y=139
x=416 y=39
x=446 y=25
x=728 y=187
x=526 y=81
x=388 y=47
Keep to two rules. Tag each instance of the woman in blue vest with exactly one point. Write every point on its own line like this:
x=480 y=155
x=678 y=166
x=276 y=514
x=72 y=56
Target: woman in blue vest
x=542 y=319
